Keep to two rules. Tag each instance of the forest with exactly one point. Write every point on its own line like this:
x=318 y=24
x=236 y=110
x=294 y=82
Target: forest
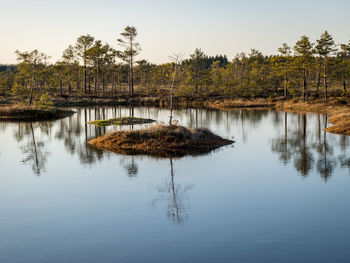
x=91 y=68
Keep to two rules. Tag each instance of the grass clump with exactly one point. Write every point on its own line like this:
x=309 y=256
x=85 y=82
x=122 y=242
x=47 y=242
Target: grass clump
x=161 y=141
x=121 y=121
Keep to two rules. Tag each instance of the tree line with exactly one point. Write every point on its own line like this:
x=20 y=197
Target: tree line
x=93 y=68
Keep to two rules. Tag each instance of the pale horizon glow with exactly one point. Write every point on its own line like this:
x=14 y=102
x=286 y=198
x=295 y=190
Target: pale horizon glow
x=166 y=27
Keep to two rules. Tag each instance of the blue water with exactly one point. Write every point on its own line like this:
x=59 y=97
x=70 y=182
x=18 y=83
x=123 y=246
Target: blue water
x=279 y=194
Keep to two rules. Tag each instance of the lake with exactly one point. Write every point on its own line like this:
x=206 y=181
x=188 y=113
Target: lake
x=280 y=193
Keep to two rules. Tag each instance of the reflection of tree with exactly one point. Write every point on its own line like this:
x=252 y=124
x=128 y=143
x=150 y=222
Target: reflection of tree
x=344 y=157
x=130 y=167
x=34 y=150
x=325 y=166
x=175 y=194
x=299 y=144
x=281 y=145
x=71 y=129
x=303 y=160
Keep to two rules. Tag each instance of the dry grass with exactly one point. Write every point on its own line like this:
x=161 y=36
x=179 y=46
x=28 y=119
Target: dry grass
x=241 y=103
x=21 y=112
x=161 y=141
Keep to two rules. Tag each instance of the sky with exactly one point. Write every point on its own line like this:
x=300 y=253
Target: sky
x=169 y=26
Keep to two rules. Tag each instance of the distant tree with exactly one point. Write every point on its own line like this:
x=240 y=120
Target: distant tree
x=31 y=67
x=344 y=64
x=304 y=52
x=216 y=75
x=325 y=47
x=131 y=49
x=101 y=57
x=144 y=73
x=82 y=45
x=70 y=62
x=6 y=82
x=197 y=70
x=286 y=52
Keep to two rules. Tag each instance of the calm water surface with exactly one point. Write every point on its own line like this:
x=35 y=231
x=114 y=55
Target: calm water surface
x=280 y=194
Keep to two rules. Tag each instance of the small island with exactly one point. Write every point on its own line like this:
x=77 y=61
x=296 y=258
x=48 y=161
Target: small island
x=32 y=113
x=121 y=121
x=161 y=141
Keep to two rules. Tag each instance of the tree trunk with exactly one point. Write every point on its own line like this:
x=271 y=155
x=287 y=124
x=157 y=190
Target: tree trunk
x=85 y=76
x=31 y=91
x=61 y=86
x=304 y=84
x=325 y=78
x=285 y=86
x=132 y=77
x=90 y=84
x=318 y=83
x=95 y=84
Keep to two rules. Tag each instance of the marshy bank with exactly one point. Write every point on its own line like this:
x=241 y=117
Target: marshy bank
x=32 y=113
x=162 y=141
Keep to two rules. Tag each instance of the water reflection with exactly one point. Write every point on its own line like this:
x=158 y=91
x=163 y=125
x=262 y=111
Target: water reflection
x=32 y=146
x=130 y=166
x=304 y=143
x=175 y=196
x=297 y=139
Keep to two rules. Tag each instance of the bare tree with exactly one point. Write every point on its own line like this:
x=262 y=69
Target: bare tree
x=176 y=60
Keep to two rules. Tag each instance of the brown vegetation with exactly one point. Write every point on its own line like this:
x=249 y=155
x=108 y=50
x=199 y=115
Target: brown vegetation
x=32 y=113
x=241 y=103
x=161 y=141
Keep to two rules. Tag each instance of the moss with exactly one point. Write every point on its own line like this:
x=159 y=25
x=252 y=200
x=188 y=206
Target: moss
x=161 y=141
x=121 y=121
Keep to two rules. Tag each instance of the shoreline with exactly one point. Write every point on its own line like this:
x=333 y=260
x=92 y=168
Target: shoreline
x=339 y=114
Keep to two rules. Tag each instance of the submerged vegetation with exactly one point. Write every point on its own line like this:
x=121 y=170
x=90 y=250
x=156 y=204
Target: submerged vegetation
x=161 y=141
x=32 y=113
x=121 y=121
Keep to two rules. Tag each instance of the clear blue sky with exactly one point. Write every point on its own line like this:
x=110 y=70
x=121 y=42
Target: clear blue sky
x=165 y=26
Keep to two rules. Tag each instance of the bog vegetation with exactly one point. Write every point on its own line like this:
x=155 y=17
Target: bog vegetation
x=161 y=141
x=91 y=68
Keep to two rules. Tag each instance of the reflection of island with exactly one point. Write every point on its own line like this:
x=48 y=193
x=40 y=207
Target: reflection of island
x=175 y=196
x=302 y=146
